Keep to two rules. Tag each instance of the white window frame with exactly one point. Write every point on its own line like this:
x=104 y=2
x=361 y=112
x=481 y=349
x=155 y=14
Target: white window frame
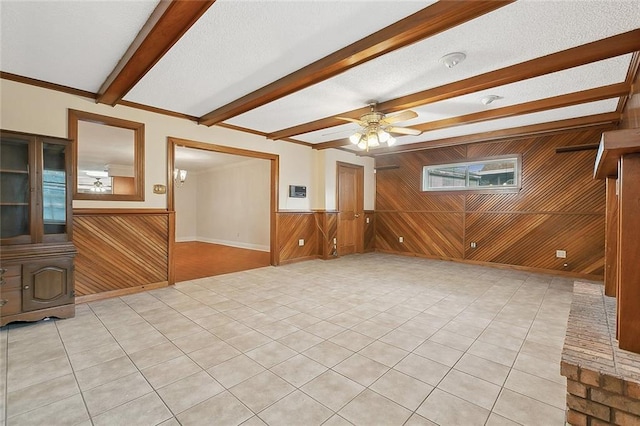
x=515 y=186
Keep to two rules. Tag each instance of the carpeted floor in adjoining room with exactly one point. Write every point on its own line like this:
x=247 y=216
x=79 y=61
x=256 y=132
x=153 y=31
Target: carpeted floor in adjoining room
x=369 y=339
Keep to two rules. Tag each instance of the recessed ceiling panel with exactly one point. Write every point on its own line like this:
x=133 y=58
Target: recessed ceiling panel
x=515 y=33
x=239 y=46
x=71 y=43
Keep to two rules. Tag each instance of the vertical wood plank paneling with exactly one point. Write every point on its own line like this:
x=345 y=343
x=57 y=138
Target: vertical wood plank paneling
x=611 y=239
x=560 y=206
x=120 y=250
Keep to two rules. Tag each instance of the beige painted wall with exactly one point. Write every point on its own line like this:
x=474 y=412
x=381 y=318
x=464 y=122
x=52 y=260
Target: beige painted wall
x=186 y=208
x=36 y=110
x=233 y=205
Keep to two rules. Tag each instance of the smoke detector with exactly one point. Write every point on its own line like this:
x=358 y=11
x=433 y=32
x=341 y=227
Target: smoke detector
x=452 y=59
x=489 y=99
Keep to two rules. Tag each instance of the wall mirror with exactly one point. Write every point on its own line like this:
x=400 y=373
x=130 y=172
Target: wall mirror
x=108 y=157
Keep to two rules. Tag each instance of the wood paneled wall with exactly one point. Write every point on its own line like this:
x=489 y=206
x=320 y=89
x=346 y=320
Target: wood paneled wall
x=317 y=228
x=559 y=207
x=121 y=251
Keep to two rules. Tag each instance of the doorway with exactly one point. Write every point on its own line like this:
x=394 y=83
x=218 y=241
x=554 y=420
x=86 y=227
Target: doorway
x=236 y=192
x=350 y=203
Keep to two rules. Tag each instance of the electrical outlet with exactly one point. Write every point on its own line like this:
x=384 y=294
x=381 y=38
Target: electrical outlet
x=301 y=242
x=561 y=254
x=367 y=219
x=401 y=239
x=335 y=241
x=474 y=245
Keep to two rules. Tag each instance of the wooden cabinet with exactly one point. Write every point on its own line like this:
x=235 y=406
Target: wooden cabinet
x=36 y=257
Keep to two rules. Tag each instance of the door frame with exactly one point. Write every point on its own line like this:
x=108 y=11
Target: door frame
x=359 y=202
x=274 y=159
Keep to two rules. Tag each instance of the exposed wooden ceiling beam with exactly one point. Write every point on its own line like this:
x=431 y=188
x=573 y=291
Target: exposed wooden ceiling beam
x=560 y=101
x=427 y=22
x=168 y=22
x=515 y=132
x=587 y=53
x=632 y=75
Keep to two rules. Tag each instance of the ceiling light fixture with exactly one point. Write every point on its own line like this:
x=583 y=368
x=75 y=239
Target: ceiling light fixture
x=489 y=99
x=452 y=59
x=98 y=186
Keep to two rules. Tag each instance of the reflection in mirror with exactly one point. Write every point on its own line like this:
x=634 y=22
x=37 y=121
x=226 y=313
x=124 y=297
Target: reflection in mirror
x=109 y=157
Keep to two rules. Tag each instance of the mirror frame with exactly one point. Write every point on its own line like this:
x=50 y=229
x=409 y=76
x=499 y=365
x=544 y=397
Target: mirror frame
x=138 y=154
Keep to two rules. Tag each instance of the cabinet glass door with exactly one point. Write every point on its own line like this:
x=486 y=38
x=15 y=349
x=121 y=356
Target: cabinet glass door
x=54 y=189
x=14 y=190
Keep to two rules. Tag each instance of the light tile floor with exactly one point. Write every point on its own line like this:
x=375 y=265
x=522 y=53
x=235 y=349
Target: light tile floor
x=368 y=339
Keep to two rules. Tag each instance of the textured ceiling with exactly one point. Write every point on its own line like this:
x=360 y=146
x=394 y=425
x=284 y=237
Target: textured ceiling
x=239 y=46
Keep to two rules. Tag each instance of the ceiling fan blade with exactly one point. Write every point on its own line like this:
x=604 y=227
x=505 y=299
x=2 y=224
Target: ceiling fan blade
x=403 y=131
x=403 y=116
x=353 y=120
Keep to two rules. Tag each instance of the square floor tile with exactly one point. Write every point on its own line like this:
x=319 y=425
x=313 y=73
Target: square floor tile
x=70 y=410
x=402 y=340
x=41 y=394
x=299 y=370
x=332 y=389
x=351 y=340
x=296 y=408
x=146 y=410
x=117 y=392
x=423 y=369
x=106 y=372
x=327 y=353
x=361 y=369
x=170 y=371
x=483 y=369
x=236 y=370
x=301 y=340
x=262 y=390
x=543 y=390
x=369 y=408
x=402 y=389
x=524 y=410
x=440 y=353
x=384 y=353
x=214 y=354
x=248 y=341
x=187 y=392
x=224 y=408
x=271 y=354
x=470 y=388
x=446 y=409
x=155 y=355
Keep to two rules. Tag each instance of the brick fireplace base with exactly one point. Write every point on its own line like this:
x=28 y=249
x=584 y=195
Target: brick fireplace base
x=603 y=381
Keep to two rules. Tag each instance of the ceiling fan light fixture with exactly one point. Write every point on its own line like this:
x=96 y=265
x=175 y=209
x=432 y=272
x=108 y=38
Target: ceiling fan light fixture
x=391 y=141
x=450 y=60
x=372 y=139
x=355 y=138
x=383 y=136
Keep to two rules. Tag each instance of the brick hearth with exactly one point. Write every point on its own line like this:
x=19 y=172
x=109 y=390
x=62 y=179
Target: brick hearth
x=603 y=381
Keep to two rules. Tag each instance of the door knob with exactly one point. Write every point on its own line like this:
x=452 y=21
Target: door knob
x=357 y=215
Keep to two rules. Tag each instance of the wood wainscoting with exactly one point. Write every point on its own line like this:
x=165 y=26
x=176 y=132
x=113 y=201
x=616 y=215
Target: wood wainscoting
x=121 y=251
x=317 y=228
x=559 y=207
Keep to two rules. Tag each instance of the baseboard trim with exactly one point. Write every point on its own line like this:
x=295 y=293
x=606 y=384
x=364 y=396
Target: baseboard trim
x=236 y=244
x=120 y=292
x=500 y=265
x=299 y=259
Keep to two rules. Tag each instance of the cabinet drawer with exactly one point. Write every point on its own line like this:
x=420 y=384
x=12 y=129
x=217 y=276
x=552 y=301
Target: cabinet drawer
x=11 y=271
x=12 y=300
x=10 y=283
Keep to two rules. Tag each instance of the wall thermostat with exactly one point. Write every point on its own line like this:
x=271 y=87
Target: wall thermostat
x=297 y=191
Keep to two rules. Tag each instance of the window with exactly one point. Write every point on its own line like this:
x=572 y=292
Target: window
x=497 y=173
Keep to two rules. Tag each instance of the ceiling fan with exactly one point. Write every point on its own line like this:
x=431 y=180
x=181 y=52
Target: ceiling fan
x=377 y=128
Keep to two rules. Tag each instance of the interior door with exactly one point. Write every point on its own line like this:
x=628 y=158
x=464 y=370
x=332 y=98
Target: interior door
x=350 y=208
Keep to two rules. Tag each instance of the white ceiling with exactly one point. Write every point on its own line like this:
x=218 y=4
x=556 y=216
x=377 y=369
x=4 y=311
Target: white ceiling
x=239 y=46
